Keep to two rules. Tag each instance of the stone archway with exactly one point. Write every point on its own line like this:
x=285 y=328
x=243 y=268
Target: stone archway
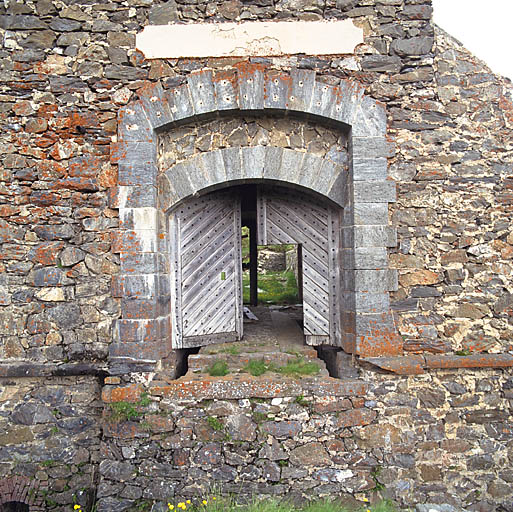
x=142 y=334
x=21 y=493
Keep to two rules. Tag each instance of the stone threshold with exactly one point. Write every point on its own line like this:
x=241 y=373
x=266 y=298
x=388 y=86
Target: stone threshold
x=419 y=364
x=27 y=369
x=236 y=387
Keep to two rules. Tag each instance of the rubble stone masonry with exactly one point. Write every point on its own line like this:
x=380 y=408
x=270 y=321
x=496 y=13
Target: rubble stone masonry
x=67 y=69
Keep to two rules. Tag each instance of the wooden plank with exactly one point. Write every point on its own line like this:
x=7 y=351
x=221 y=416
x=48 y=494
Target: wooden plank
x=210 y=339
x=261 y=218
x=176 y=280
x=315 y=341
x=253 y=265
x=206 y=271
x=292 y=217
x=239 y=300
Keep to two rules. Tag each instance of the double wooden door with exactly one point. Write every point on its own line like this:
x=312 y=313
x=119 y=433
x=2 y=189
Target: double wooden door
x=206 y=263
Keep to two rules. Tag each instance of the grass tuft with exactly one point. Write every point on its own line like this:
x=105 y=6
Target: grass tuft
x=256 y=367
x=299 y=367
x=218 y=369
x=215 y=424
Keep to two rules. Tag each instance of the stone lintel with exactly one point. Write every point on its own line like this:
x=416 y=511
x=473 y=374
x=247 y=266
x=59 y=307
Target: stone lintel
x=249 y=39
x=251 y=387
x=418 y=364
x=27 y=369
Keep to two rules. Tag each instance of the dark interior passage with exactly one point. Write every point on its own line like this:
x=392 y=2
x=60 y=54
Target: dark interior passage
x=14 y=506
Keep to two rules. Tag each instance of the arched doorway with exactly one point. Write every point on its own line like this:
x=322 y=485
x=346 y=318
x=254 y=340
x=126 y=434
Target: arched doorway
x=206 y=264
x=147 y=191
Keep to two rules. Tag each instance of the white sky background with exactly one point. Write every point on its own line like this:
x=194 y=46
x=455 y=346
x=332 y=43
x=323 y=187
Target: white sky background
x=483 y=27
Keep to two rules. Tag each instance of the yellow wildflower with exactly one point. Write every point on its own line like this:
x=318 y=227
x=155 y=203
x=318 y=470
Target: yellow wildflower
x=204 y=502
x=76 y=507
x=170 y=507
x=188 y=502
x=365 y=499
x=213 y=497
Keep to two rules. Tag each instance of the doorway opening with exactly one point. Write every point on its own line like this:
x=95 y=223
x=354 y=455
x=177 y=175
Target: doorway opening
x=255 y=274
x=14 y=506
x=271 y=279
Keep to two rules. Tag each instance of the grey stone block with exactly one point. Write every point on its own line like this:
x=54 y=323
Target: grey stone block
x=179 y=178
x=369 y=169
x=349 y=95
x=277 y=87
x=323 y=100
x=167 y=195
x=251 y=90
x=253 y=162
x=364 y=302
x=202 y=92
x=337 y=191
x=138 y=218
x=163 y=242
x=413 y=46
x=139 y=286
x=381 y=63
x=141 y=174
x=232 y=163
x=140 y=196
x=374 y=280
x=365 y=258
x=226 y=94
x=374 y=192
x=273 y=157
x=180 y=102
x=135 y=153
x=310 y=170
x=347 y=238
x=213 y=165
x=348 y=201
x=290 y=165
x=370 y=120
x=370 y=214
x=301 y=92
x=155 y=105
x=370 y=147
x=133 y=352
x=139 y=241
x=140 y=308
x=163 y=285
x=326 y=177
x=374 y=324
x=374 y=236
x=141 y=263
x=133 y=125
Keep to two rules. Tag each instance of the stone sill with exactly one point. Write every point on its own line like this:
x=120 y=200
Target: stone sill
x=418 y=364
x=28 y=369
x=236 y=387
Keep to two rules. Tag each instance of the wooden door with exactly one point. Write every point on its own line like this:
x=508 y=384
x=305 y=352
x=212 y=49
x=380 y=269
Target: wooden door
x=206 y=271
x=287 y=216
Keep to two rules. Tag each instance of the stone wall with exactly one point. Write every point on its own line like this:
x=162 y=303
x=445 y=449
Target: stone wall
x=67 y=69
x=50 y=435
x=313 y=138
x=439 y=438
x=453 y=168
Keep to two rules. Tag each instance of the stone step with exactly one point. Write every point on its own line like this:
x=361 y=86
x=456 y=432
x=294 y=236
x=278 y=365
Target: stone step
x=201 y=361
